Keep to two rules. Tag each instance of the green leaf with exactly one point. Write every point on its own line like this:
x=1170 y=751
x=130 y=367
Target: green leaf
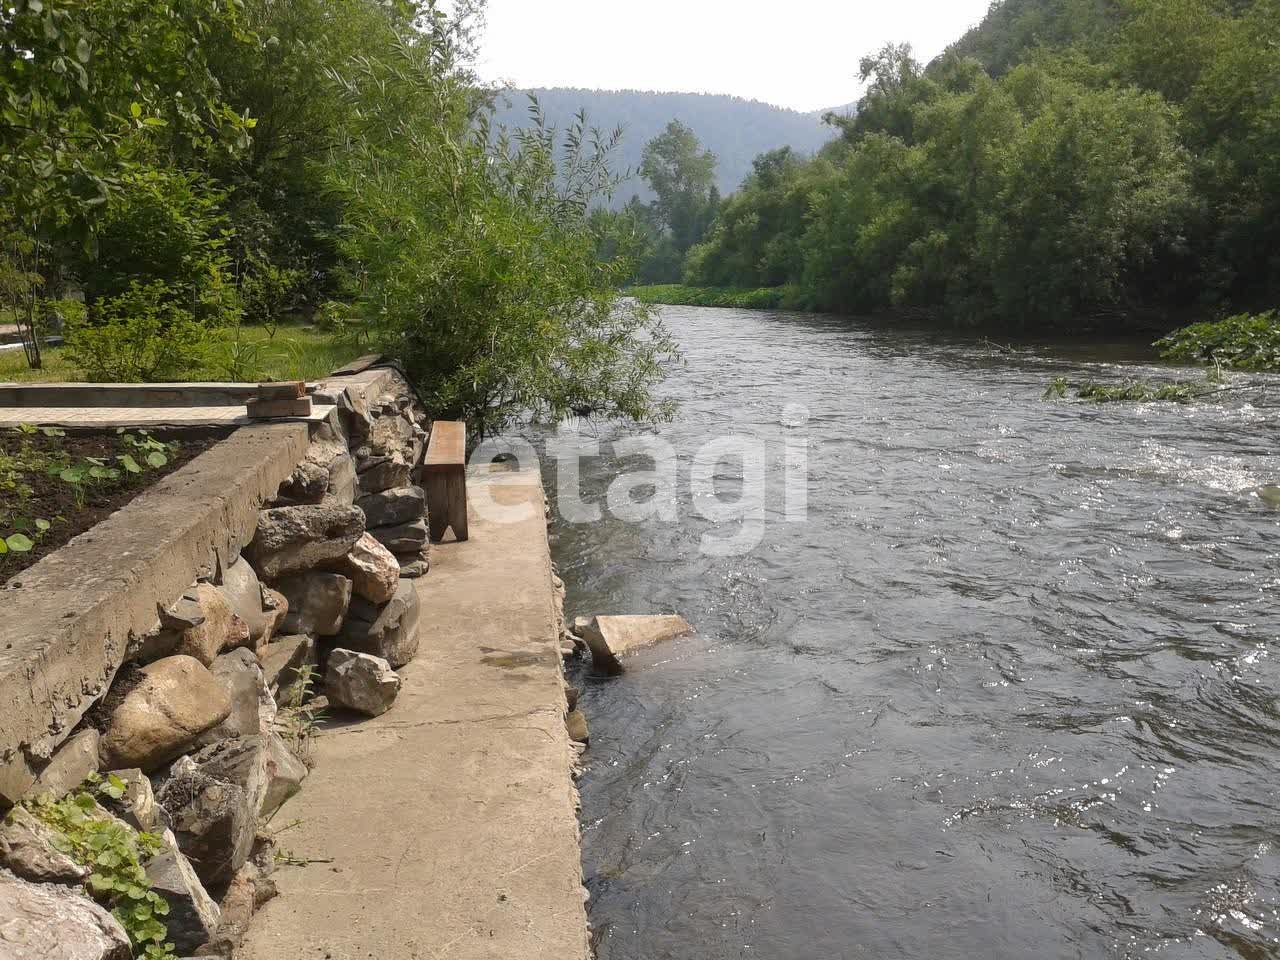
x=157 y=459
x=42 y=524
x=155 y=122
x=130 y=464
x=18 y=543
x=4 y=548
x=135 y=110
x=82 y=50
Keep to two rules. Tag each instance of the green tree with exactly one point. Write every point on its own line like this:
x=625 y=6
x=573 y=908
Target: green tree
x=682 y=176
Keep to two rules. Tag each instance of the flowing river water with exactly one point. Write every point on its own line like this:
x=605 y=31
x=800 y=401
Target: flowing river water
x=1007 y=691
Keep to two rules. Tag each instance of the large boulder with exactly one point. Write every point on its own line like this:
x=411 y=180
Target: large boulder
x=193 y=915
x=51 y=922
x=390 y=508
x=389 y=632
x=214 y=821
x=360 y=682
x=317 y=602
x=373 y=570
x=252 y=708
x=69 y=767
x=291 y=539
x=30 y=850
x=406 y=538
x=610 y=637
x=174 y=701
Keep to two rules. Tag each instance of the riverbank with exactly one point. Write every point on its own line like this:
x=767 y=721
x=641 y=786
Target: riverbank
x=679 y=295
x=448 y=827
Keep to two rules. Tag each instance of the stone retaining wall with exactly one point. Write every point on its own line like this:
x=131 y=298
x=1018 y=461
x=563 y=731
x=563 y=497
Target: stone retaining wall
x=185 y=645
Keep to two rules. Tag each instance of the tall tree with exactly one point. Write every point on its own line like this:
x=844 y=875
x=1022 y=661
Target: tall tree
x=682 y=175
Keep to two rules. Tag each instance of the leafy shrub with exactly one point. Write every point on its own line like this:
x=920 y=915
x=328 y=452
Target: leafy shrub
x=140 y=335
x=165 y=227
x=763 y=298
x=268 y=291
x=1244 y=342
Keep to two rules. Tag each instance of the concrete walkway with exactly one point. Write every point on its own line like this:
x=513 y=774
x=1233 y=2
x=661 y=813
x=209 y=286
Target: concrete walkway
x=451 y=820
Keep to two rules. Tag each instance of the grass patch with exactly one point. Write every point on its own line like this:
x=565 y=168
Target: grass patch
x=763 y=298
x=245 y=353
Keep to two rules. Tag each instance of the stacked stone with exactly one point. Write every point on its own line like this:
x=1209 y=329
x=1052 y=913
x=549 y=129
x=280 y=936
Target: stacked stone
x=202 y=721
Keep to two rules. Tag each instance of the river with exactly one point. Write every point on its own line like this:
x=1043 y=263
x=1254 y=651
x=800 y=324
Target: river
x=1006 y=691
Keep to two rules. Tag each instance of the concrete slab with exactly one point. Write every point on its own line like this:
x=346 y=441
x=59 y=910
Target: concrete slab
x=153 y=418
x=450 y=822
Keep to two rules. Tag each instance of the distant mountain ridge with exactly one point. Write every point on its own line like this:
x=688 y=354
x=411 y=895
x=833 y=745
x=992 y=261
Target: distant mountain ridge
x=734 y=129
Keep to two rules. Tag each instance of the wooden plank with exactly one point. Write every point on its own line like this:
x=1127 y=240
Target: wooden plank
x=271 y=409
x=447 y=449
x=288 y=390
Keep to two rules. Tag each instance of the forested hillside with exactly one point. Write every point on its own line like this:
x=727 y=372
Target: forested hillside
x=735 y=130
x=1068 y=163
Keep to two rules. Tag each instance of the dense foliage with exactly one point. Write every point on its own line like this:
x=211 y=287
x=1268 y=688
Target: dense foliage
x=183 y=166
x=1069 y=159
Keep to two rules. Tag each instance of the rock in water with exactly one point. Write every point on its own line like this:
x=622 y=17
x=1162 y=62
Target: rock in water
x=290 y=539
x=1270 y=495
x=610 y=637
x=30 y=850
x=49 y=922
x=576 y=723
x=373 y=569
x=193 y=916
x=360 y=682
x=317 y=602
x=175 y=701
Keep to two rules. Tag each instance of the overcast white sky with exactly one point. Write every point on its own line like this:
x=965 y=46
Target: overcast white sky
x=795 y=53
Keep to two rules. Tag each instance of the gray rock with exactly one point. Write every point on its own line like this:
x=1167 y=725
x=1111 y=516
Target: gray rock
x=308 y=483
x=317 y=602
x=175 y=701
x=252 y=708
x=193 y=915
x=383 y=472
x=393 y=507
x=212 y=819
x=70 y=766
x=50 y=922
x=576 y=723
x=393 y=632
x=30 y=850
x=342 y=480
x=390 y=435
x=353 y=408
x=360 y=682
x=242 y=761
x=285 y=773
x=290 y=539
x=405 y=538
x=184 y=614
x=413 y=569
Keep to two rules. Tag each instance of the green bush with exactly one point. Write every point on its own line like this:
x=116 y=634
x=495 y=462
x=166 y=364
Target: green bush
x=763 y=298
x=165 y=227
x=1243 y=342
x=141 y=335
x=269 y=291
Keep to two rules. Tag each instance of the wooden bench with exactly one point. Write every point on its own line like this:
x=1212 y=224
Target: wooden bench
x=444 y=478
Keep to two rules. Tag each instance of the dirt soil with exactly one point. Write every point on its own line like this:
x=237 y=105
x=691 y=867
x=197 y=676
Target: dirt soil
x=55 y=500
